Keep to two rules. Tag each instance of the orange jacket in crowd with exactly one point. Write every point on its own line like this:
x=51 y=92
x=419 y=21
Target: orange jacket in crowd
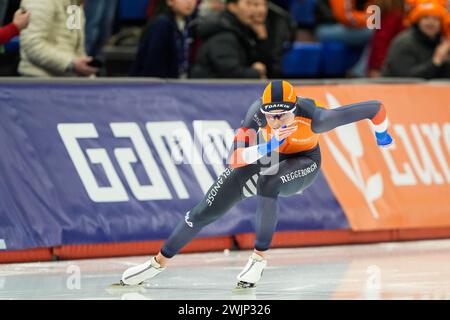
x=347 y=13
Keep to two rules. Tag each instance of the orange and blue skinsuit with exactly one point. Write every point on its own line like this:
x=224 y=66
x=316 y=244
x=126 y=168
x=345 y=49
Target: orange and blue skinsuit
x=285 y=171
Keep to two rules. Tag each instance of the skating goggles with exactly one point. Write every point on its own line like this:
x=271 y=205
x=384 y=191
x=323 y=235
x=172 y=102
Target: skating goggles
x=278 y=115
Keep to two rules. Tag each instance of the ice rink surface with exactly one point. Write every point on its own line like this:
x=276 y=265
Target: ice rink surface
x=402 y=270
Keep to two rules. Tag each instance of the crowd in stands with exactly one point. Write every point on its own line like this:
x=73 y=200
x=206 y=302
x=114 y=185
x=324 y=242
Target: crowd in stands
x=255 y=39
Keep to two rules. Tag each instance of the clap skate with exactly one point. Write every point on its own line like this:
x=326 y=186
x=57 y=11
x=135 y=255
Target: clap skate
x=252 y=272
x=137 y=275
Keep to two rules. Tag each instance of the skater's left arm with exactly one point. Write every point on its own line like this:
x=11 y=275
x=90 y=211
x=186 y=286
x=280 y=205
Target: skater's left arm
x=323 y=120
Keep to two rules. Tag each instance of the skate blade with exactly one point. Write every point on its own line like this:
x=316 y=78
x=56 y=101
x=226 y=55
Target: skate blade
x=243 y=286
x=120 y=287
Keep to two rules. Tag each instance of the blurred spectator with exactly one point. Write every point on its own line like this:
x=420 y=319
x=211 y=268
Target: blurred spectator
x=345 y=21
x=20 y=22
x=164 y=47
x=391 y=24
x=99 y=23
x=281 y=24
x=209 y=8
x=410 y=4
x=351 y=13
x=421 y=51
x=48 y=46
x=263 y=50
x=228 y=45
x=274 y=29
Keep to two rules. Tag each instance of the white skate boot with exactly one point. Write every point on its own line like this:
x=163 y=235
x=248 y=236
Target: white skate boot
x=138 y=274
x=252 y=272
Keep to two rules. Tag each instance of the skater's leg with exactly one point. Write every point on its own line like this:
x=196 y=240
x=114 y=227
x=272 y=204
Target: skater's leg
x=289 y=177
x=222 y=195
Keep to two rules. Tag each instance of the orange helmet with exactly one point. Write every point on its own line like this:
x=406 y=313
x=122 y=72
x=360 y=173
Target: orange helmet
x=278 y=95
